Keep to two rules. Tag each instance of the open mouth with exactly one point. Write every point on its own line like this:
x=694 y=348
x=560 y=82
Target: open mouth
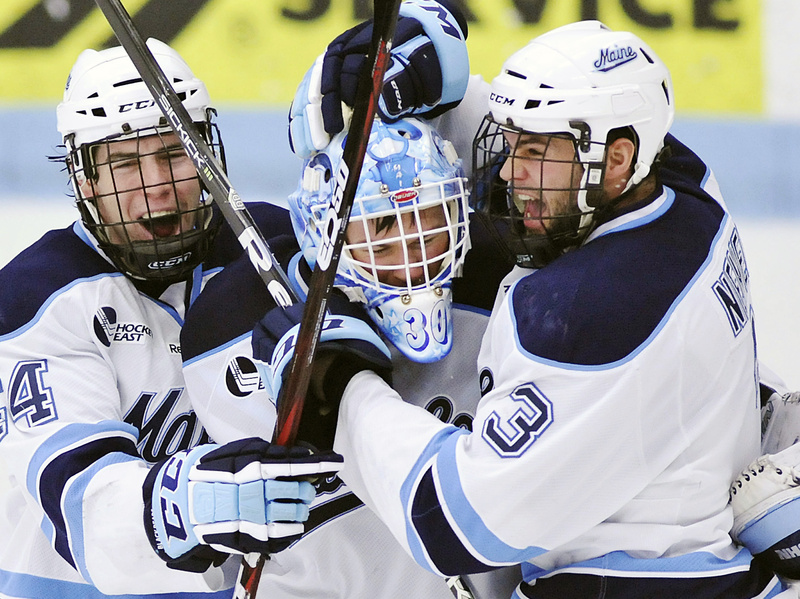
x=532 y=210
x=162 y=224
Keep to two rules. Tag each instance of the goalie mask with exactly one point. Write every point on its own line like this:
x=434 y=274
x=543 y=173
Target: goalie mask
x=136 y=188
x=407 y=235
x=557 y=104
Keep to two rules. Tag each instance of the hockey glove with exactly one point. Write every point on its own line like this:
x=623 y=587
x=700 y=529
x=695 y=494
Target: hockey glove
x=426 y=76
x=766 y=509
x=246 y=496
x=348 y=344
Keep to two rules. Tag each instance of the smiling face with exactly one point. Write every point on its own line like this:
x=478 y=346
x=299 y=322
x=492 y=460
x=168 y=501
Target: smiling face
x=145 y=189
x=404 y=251
x=544 y=177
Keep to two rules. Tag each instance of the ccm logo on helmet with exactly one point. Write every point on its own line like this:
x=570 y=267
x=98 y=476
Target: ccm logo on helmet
x=159 y=264
x=137 y=105
x=505 y=101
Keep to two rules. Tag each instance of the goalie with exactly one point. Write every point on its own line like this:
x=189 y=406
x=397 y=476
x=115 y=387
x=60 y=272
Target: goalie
x=766 y=496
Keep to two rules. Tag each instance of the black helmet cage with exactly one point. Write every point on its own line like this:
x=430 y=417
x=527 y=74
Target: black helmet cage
x=494 y=197
x=163 y=259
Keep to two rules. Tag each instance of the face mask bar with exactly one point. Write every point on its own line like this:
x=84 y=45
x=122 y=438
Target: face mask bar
x=528 y=186
x=144 y=202
x=417 y=245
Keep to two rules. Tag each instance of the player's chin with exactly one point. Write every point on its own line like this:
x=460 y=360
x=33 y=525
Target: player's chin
x=534 y=226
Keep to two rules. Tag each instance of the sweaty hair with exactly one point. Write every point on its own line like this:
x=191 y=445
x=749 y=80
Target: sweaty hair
x=385 y=223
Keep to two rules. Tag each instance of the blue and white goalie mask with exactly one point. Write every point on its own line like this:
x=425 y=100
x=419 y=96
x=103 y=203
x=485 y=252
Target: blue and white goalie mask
x=407 y=236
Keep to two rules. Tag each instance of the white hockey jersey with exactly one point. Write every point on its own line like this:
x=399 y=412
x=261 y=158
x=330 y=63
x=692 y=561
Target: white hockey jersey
x=92 y=394
x=346 y=552
x=621 y=397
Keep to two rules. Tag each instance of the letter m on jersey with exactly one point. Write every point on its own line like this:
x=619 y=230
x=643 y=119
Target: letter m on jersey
x=28 y=396
x=518 y=421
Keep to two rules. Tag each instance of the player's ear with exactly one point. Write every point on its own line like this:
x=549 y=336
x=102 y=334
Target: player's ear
x=619 y=164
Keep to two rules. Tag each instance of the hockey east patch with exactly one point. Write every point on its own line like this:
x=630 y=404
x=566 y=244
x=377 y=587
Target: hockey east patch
x=109 y=331
x=241 y=377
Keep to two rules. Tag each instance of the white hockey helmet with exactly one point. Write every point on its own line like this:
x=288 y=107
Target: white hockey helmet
x=411 y=191
x=105 y=100
x=586 y=81
x=105 y=96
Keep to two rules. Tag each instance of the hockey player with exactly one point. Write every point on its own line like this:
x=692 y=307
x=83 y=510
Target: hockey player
x=619 y=369
x=404 y=265
x=115 y=488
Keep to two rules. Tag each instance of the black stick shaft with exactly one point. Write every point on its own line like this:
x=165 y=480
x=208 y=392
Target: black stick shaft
x=367 y=95
x=291 y=405
x=208 y=167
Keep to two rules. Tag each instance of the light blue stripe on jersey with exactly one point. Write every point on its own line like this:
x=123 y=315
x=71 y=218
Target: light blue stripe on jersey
x=637 y=218
x=295 y=278
x=706 y=177
x=83 y=235
x=164 y=306
x=73 y=435
x=73 y=507
x=68 y=437
x=422 y=464
x=492 y=550
x=13 y=584
x=619 y=563
x=611 y=365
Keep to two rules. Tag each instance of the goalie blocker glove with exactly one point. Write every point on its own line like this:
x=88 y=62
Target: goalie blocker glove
x=427 y=74
x=348 y=344
x=766 y=507
x=246 y=496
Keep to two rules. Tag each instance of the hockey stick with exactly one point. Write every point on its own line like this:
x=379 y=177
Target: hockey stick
x=291 y=404
x=223 y=193
x=367 y=94
x=206 y=164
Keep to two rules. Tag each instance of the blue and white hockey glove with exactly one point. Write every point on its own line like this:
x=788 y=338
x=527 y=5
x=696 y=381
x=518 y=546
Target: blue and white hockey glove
x=427 y=74
x=766 y=509
x=348 y=344
x=246 y=496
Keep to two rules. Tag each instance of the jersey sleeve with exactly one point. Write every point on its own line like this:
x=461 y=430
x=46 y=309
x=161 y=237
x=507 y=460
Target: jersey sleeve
x=76 y=463
x=222 y=381
x=569 y=461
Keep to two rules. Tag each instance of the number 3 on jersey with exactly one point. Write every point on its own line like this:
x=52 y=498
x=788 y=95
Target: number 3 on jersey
x=28 y=396
x=514 y=425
